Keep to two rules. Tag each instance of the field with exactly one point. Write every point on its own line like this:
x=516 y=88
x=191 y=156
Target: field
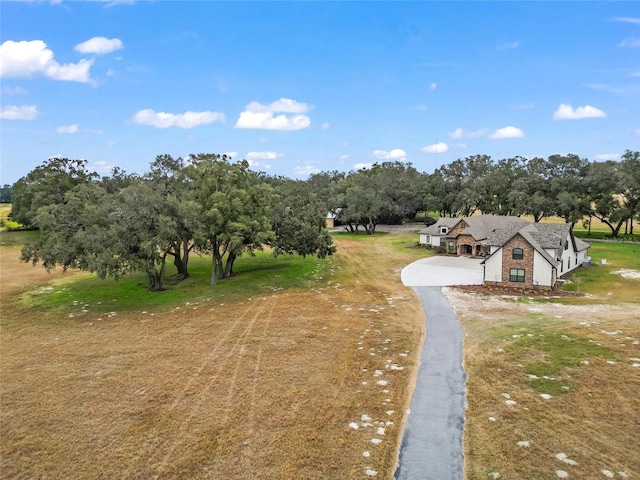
x=258 y=379
x=269 y=374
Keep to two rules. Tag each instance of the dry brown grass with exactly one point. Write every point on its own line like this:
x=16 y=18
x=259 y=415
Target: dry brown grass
x=595 y=423
x=260 y=388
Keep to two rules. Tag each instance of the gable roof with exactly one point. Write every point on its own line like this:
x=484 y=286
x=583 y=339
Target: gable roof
x=442 y=222
x=492 y=229
x=580 y=244
x=547 y=236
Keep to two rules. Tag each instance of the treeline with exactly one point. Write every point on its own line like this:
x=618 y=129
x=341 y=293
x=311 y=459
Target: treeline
x=123 y=223
x=209 y=204
x=566 y=186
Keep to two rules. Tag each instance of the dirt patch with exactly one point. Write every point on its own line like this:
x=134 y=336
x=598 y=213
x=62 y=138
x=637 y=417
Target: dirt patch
x=627 y=273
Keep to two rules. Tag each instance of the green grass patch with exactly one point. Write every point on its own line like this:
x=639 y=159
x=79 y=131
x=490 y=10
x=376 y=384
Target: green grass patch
x=17 y=237
x=600 y=280
x=254 y=276
x=5 y=223
x=548 y=352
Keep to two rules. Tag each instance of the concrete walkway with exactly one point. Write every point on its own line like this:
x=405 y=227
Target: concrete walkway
x=431 y=446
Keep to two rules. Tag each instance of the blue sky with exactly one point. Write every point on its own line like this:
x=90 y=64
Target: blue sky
x=301 y=87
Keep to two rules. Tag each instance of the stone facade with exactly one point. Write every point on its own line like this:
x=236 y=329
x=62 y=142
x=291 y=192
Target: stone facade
x=455 y=231
x=526 y=263
x=467 y=240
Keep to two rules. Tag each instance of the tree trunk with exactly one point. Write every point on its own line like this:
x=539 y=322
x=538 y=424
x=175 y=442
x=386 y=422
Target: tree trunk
x=181 y=259
x=214 y=269
x=216 y=260
x=155 y=282
x=614 y=229
x=228 y=270
x=155 y=276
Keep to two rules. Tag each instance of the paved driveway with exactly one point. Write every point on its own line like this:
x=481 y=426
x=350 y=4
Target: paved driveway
x=441 y=271
x=431 y=446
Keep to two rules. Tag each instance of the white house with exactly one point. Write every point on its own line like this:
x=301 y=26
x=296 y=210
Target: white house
x=518 y=253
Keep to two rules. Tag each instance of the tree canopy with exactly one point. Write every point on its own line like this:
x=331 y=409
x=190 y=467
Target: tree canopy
x=124 y=223
x=211 y=204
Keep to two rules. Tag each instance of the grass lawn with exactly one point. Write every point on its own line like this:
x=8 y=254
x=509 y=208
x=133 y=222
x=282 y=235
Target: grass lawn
x=608 y=277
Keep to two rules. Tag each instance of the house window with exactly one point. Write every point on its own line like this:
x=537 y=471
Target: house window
x=566 y=244
x=516 y=275
x=561 y=266
x=444 y=230
x=451 y=246
x=428 y=239
x=517 y=254
x=443 y=243
x=569 y=263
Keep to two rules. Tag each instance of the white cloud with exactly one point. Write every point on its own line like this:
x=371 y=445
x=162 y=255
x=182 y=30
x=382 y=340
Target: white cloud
x=344 y=157
x=567 y=112
x=508 y=45
x=262 y=155
x=460 y=133
x=326 y=126
x=13 y=91
x=262 y=117
x=29 y=58
x=608 y=156
x=395 y=154
x=362 y=165
x=101 y=167
x=507 y=132
x=439 y=147
x=67 y=128
x=634 y=20
x=22 y=112
x=305 y=170
x=93 y=131
x=254 y=164
x=183 y=120
x=630 y=42
x=433 y=86
x=99 y=45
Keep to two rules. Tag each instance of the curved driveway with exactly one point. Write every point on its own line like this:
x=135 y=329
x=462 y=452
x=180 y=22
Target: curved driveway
x=431 y=446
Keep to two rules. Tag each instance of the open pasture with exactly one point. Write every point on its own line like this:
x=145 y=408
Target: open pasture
x=269 y=381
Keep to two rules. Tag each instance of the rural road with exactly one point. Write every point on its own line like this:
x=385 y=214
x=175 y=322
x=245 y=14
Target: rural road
x=431 y=446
